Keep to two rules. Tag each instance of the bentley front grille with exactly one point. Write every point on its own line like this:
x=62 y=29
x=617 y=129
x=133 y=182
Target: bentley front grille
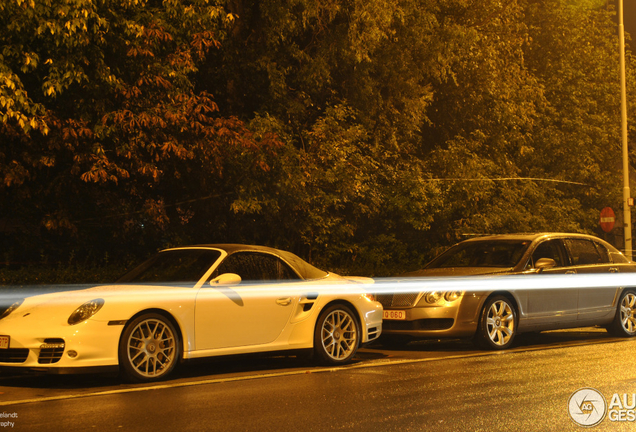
x=398 y=300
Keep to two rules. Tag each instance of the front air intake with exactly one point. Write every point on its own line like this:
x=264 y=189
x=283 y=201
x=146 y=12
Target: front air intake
x=51 y=351
x=14 y=355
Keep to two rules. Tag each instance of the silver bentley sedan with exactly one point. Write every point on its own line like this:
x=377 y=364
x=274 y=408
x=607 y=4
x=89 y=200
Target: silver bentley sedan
x=501 y=308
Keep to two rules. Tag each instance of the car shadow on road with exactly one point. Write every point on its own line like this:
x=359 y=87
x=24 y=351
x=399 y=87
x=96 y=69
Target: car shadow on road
x=61 y=382
x=235 y=367
x=223 y=367
x=532 y=340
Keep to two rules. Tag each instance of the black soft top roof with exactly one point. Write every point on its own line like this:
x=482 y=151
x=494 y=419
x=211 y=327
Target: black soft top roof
x=305 y=270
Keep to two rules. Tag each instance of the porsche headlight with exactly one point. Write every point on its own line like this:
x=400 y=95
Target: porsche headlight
x=11 y=308
x=370 y=297
x=85 y=311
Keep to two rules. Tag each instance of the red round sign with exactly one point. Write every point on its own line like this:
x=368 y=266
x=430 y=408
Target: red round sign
x=607 y=219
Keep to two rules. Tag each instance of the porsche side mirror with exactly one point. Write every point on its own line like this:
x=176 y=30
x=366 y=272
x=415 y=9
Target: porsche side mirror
x=226 y=279
x=544 y=263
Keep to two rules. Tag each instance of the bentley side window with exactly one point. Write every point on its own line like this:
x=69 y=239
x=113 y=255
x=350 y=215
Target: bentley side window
x=550 y=249
x=584 y=252
x=602 y=250
x=617 y=257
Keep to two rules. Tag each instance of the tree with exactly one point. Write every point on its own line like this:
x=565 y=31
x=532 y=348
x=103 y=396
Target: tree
x=527 y=126
x=102 y=125
x=364 y=135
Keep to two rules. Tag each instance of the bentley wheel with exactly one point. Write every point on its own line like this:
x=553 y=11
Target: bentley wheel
x=498 y=324
x=337 y=335
x=624 y=323
x=149 y=348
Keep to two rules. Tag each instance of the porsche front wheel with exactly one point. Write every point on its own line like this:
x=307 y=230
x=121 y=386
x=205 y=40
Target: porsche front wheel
x=149 y=348
x=337 y=335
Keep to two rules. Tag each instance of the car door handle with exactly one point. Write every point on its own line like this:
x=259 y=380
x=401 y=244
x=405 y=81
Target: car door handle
x=312 y=296
x=284 y=301
x=309 y=298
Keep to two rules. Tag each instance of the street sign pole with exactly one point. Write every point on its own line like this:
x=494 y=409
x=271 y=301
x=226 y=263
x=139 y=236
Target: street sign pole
x=627 y=215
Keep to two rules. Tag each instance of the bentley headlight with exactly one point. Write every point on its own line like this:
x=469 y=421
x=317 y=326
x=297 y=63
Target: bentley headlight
x=85 y=311
x=451 y=296
x=11 y=308
x=433 y=297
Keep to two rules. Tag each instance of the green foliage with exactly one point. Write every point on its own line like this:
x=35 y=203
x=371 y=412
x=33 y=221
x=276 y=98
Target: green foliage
x=104 y=134
x=365 y=136
x=61 y=274
x=534 y=96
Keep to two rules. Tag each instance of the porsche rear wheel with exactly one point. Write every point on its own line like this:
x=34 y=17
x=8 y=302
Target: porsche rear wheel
x=149 y=348
x=337 y=335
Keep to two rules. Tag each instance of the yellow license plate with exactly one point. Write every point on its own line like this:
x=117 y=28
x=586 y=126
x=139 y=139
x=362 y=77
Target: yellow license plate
x=4 y=342
x=394 y=315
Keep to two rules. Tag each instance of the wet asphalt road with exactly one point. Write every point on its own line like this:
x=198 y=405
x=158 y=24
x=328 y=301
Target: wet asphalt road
x=427 y=386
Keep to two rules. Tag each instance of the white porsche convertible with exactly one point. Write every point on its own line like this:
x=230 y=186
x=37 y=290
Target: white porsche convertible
x=187 y=303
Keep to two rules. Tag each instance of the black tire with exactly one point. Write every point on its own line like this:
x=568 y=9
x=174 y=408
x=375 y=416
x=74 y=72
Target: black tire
x=497 y=324
x=337 y=335
x=624 y=324
x=149 y=348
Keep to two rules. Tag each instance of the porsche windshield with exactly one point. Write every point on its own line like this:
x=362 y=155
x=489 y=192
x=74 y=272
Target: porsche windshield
x=489 y=253
x=178 y=265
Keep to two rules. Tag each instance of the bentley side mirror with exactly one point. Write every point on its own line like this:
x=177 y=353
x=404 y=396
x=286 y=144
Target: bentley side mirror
x=226 y=279
x=544 y=263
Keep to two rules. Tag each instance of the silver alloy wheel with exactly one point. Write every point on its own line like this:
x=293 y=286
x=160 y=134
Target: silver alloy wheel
x=500 y=322
x=339 y=334
x=628 y=312
x=151 y=348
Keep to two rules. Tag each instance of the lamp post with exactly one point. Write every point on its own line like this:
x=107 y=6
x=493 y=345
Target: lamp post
x=627 y=216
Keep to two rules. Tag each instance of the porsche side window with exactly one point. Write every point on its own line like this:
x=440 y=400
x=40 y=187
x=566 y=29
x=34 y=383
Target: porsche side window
x=584 y=252
x=270 y=267
x=240 y=263
x=256 y=267
x=550 y=249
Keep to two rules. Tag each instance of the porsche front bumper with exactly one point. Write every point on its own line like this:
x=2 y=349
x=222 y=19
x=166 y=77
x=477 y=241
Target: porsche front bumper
x=85 y=347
